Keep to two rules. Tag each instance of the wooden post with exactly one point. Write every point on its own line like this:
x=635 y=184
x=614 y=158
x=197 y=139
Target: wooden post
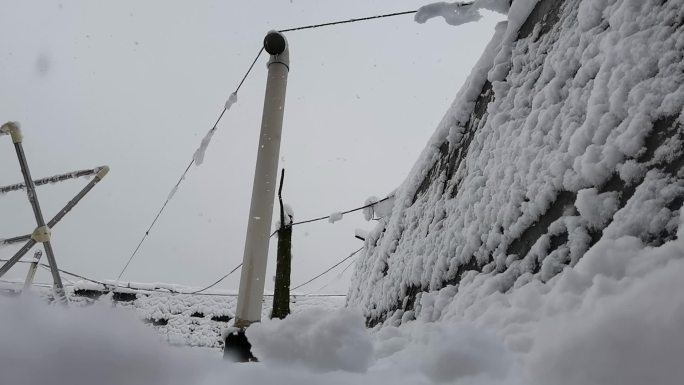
x=281 y=293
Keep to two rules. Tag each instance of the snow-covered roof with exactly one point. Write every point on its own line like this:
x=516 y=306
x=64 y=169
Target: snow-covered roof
x=567 y=132
x=180 y=319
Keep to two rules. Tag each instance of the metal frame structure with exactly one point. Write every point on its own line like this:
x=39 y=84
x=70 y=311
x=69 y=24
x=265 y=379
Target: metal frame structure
x=42 y=233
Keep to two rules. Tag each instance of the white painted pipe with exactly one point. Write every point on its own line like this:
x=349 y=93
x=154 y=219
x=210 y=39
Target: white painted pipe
x=32 y=270
x=255 y=256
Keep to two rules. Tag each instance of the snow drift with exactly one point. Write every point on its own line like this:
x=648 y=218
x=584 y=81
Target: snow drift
x=613 y=319
x=538 y=240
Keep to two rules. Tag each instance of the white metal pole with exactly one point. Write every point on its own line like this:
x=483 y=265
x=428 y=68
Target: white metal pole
x=32 y=270
x=42 y=232
x=255 y=255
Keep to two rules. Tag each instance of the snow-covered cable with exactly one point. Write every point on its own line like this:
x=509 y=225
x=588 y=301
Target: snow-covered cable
x=329 y=269
x=65 y=272
x=47 y=268
x=168 y=291
x=197 y=158
x=337 y=214
x=335 y=279
x=348 y=21
x=218 y=281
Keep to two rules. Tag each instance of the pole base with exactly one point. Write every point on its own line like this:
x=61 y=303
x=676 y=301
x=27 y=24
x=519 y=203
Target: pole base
x=237 y=348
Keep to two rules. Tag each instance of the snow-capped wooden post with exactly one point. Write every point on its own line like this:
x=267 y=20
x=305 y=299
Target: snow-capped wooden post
x=251 y=293
x=281 y=292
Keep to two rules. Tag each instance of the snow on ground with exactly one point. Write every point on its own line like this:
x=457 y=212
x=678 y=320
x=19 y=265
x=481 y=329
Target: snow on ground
x=565 y=118
x=179 y=319
x=615 y=318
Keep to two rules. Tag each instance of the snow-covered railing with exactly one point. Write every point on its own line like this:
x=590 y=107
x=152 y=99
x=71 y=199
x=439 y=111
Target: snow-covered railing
x=99 y=173
x=52 y=179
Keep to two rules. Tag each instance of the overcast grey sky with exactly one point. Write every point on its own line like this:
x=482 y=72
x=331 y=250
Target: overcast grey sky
x=136 y=85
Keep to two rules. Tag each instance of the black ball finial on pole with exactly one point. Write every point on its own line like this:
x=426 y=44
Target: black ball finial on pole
x=274 y=43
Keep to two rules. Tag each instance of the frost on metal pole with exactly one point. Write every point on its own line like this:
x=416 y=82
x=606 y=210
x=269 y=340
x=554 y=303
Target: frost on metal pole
x=255 y=255
x=42 y=232
x=99 y=172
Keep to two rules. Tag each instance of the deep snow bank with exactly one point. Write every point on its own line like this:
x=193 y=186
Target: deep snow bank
x=613 y=319
x=567 y=136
